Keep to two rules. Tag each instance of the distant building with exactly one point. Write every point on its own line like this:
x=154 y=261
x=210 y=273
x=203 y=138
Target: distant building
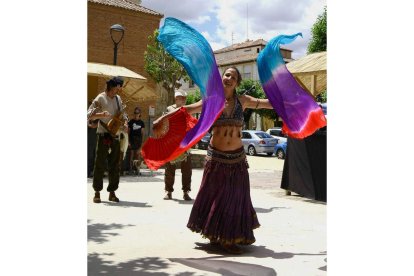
x=243 y=56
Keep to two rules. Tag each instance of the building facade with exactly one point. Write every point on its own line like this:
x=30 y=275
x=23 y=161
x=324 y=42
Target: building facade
x=243 y=56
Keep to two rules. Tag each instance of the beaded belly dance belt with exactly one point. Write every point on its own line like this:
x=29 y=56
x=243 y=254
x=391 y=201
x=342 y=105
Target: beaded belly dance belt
x=227 y=157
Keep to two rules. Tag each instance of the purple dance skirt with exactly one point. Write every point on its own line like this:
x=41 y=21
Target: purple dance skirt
x=223 y=210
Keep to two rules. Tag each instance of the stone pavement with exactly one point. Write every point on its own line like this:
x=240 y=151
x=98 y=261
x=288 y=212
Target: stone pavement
x=146 y=235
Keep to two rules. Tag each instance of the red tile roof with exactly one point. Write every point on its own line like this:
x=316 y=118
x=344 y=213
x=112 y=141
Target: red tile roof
x=238 y=59
x=242 y=59
x=246 y=44
x=126 y=5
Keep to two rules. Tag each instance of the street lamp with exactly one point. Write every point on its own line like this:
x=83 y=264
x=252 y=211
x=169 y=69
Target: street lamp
x=116 y=28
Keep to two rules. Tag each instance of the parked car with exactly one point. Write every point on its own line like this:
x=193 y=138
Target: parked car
x=280 y=150
x=257 y=141
x=204 y=142
x=276 y=132
x=324 y=108
x=325 y=112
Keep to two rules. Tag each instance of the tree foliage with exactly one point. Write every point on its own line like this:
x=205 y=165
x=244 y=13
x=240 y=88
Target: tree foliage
x=322 y=97
x=162 y=67
x=194 y=97
x=318 y=40
x=318 y=43
x=256 y=92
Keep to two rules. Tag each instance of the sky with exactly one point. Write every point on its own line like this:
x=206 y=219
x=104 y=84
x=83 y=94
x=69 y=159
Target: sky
x=220 y=20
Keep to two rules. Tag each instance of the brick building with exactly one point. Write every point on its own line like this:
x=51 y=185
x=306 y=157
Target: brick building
x=139 y=23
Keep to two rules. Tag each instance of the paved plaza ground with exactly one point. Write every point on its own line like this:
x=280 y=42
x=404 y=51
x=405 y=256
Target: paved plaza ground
x=146 y=235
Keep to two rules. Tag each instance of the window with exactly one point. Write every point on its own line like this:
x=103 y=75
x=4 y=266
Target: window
x=263 y=135
x=247 y=72
x=247 y=76
x=258 y=50
x=275 y=132
x=246 y=135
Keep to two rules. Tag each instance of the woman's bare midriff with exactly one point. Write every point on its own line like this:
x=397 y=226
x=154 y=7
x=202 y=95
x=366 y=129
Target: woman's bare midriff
x=226 y=138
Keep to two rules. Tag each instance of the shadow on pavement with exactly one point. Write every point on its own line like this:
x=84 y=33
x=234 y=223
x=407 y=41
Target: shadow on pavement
x=323 y=268
x=127 y=204
x=182 y=201
x=96 y=231
x=263 y=252
x=228 y=268
x=140 y=266
x=268 y=210
x=304 y=199
x=140 y=179
x=251 y=251
x=315 y=201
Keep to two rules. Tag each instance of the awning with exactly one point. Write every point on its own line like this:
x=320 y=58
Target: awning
x=135 y=87
x=136 y=91
x=106 y=70
x=310 y=71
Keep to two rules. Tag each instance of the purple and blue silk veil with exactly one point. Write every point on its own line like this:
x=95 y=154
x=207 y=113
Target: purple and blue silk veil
x=193 y=51
x=301 y=115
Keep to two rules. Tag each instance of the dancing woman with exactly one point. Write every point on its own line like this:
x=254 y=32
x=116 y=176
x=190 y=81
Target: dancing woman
x=223 y=211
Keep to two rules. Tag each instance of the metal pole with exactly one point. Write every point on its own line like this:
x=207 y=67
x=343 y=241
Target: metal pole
x=115 y=52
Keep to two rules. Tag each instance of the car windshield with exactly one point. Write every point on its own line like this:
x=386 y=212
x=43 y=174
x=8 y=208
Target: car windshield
x=263 y=135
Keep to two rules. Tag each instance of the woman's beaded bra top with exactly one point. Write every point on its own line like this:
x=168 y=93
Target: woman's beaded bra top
x=235 y=119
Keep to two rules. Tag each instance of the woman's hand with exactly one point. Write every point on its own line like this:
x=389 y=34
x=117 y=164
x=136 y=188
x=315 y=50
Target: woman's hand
x=159 y=127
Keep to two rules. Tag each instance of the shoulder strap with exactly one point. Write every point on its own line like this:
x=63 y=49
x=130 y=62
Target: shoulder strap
x=117 y=103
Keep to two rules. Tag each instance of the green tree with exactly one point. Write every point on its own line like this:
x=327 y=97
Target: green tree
x=318 y=43
x=256 y=92
x=318 y=40
x=194 y=97
x=322 y=97
x=162 y=67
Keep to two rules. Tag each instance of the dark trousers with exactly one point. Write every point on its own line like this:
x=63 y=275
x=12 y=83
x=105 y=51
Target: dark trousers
x=91 y=149
x=186 y=172
x=103 y=144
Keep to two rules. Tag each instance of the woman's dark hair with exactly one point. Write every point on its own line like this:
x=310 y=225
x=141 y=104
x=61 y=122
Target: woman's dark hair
x=239 y=77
